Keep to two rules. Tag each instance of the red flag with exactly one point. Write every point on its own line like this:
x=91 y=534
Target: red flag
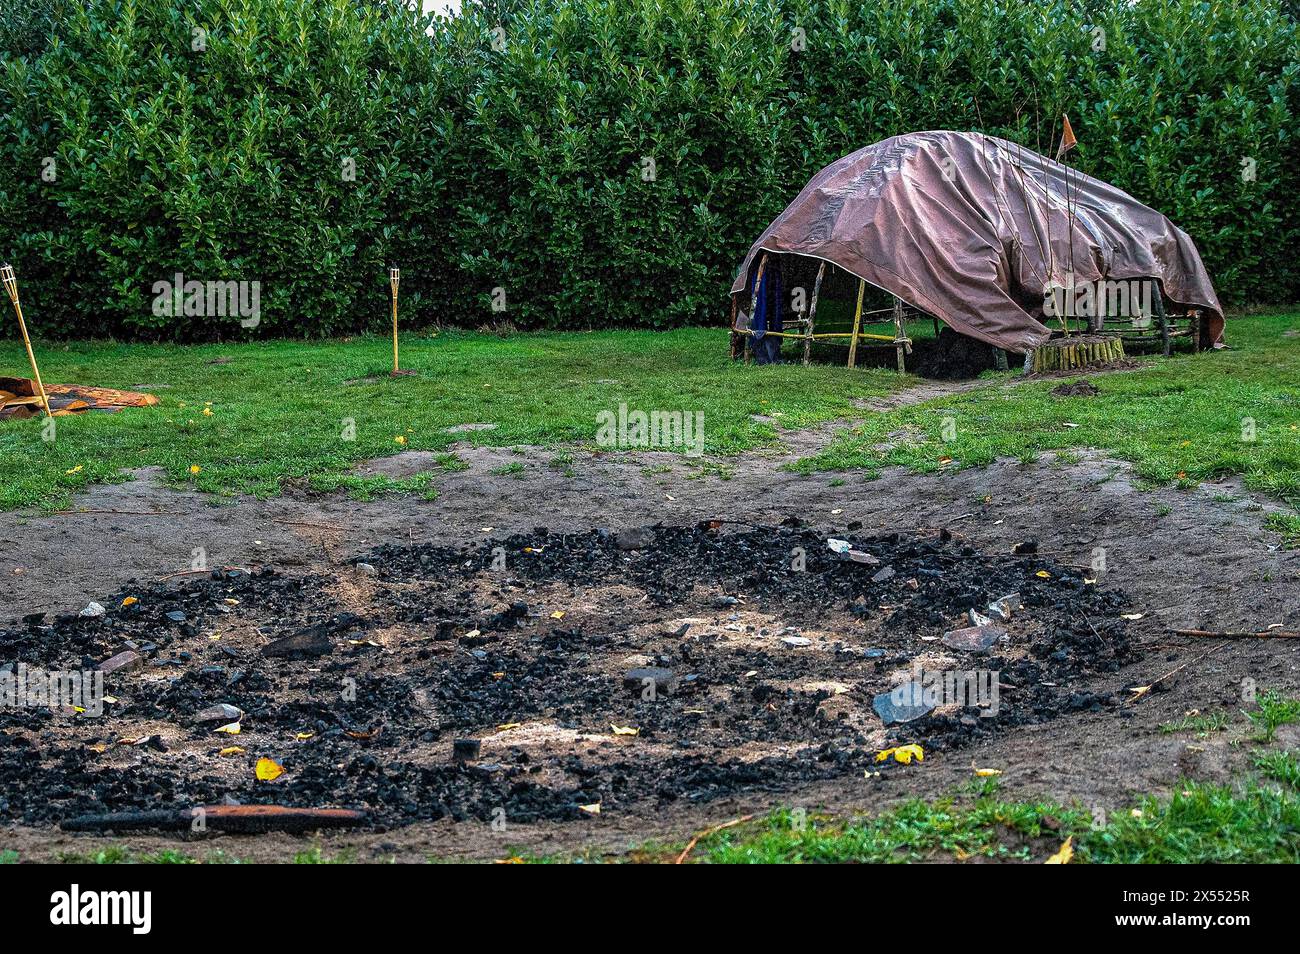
x=1067 y=138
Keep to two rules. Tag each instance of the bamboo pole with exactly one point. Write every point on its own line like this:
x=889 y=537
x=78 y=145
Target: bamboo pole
x=11 y=286
x=1164 y=319
x=900 y=336
x=753 y=307
x=865 y=335
x=857 y=323
x=812 y=313
x=394 y=276
x=735 y=336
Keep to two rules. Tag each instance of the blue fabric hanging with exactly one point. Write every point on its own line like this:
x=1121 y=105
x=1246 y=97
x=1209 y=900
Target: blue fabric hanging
x=767 y=315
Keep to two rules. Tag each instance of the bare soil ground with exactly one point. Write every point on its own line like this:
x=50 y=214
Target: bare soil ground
x=776 y=724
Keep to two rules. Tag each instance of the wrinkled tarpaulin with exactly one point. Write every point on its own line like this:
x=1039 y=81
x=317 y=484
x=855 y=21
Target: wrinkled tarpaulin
x=19 y=398
x=958 y=225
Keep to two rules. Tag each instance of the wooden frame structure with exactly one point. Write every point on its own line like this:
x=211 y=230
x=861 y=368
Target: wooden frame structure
x=1164 y=327
x=902 y=344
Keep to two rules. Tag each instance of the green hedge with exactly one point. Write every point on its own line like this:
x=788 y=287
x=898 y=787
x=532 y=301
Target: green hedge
x=511 y=148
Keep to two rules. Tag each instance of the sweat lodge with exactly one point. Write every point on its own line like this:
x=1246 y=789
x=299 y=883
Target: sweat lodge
x=992 y=239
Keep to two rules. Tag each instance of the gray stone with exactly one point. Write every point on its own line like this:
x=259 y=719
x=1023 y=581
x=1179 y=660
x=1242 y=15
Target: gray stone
x=122 y=662
x=92 y=609
x=884 y=575
x=222 y=712
x=638 y=679
x=973 y=639
x=902 y=704
x=637 y=538
x=310 y=642
x=858 y=556
x=1005 y=606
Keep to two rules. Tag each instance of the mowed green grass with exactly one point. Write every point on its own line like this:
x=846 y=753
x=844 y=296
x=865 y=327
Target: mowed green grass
x=285 y=410
x=1188 y=419
x=281 y=410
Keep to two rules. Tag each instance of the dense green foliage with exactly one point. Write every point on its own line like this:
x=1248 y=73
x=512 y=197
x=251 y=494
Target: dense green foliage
x=584 y=162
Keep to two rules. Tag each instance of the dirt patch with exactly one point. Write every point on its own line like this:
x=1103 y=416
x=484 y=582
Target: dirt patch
x=1185 y=558
x=737 y=670
x=954 y=356
x=1076 y=389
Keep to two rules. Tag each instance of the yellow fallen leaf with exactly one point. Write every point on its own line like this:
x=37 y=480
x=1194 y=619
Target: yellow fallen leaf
x=207 y=412
x=624 y=729
x=1133 y=615
x=230 y=602
x=987 y=773
x=78 y=709
x=130 y=601
x=268 y=770
x=1063 y=856
x=558 y=614
x=74 y=470
x=903 y=754
x=230 y=728
x=304 y=736
x=99 y=747
x=231 y=750
x=507 y=726
x=1044 y=574
x=399 y=439
x=1139 y=692
x=592 y=809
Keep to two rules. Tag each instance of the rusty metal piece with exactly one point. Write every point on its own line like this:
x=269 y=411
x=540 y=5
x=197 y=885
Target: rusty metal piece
x=238 y=819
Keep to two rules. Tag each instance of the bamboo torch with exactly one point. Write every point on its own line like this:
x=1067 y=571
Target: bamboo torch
x=394 y=276
x=11 y=286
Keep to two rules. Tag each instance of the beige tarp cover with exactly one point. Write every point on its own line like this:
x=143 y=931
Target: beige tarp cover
x=964 y=226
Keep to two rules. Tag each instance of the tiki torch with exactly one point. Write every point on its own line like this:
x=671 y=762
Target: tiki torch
x=394 y=276
x=11 y=286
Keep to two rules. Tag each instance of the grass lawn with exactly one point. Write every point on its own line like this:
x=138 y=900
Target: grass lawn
x=1200 y=824
x=1187 y=419
x=253 y=415
x=280 y=410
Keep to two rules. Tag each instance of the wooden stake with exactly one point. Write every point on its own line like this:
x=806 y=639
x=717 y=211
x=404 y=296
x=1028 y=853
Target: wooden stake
x=1164 y=319
x=734 y=337
x=812 y=313
x=900 y=336
x=394 y=276
x=11 y=286
x=857 y=323
x=753 y=307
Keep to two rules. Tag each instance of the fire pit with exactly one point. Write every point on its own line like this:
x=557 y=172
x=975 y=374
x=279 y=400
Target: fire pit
x=551 y=676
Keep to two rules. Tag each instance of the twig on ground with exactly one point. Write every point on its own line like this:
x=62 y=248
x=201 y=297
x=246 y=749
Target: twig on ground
x=169 y=576
x=1173 y=672
x=690 y=845
x=128 y=513
x=1228 y=634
